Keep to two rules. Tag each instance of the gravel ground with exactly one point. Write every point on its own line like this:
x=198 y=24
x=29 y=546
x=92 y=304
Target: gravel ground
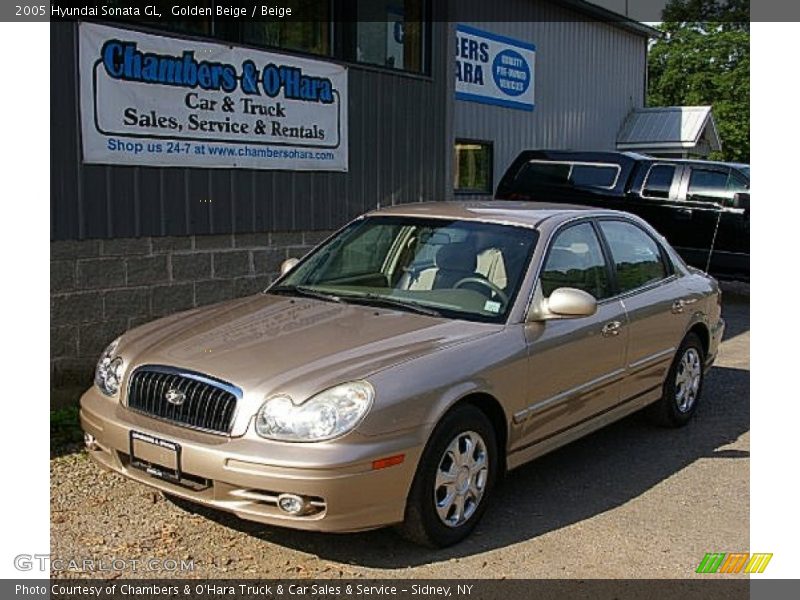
x=630 y=501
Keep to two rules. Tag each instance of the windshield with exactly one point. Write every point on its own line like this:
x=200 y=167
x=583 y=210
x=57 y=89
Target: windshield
x=456 y=269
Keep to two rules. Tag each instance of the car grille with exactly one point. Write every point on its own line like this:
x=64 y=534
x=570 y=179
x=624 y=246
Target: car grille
x=197 y=401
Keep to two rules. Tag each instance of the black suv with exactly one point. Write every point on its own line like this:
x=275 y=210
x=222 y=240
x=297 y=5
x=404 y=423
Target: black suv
x=701 y=207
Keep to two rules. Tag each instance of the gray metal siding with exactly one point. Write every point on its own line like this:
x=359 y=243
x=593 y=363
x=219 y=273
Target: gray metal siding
x=397 y=150
x=588 y=77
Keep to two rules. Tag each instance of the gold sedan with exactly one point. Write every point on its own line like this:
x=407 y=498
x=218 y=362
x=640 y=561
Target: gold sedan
x=408 y=362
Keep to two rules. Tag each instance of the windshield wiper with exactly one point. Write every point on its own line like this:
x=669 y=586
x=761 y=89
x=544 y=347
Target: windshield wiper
x=378 y=300
x=302 y=290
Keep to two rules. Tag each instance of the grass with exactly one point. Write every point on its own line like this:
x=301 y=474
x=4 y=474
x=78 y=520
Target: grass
x=65 y=429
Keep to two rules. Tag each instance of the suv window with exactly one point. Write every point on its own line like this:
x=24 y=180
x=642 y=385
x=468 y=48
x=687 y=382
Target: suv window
x=636 y=255
x=707 y=185
x=658 y=181
x=594 y=175
x=576 y=260
x=737 y=183
x=536 y=173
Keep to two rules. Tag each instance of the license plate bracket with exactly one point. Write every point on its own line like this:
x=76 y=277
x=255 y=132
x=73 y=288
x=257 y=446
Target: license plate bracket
x=156 y=456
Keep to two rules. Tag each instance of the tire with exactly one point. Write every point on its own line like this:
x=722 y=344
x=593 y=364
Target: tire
x=432 y=518
x=682 y=387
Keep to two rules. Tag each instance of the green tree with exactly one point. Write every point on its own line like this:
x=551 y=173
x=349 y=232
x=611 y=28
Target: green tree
x=703 y=58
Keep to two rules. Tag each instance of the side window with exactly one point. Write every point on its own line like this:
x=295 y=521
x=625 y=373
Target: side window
x=575 y=260
x=706 y=185
x=636 y=255
x=604 y=176
x=658 y=181
x=737 y=183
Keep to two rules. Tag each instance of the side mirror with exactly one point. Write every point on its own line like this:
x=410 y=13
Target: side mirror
x=570 y=303
x=742 y=200
x=288 y=265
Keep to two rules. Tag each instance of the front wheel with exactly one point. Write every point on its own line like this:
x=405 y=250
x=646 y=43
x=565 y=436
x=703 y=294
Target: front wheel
x=453 y=481
x=682 y=387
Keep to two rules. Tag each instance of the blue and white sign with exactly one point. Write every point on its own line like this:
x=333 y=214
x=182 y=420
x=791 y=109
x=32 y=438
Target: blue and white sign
x=494 y=69
x=172 y=102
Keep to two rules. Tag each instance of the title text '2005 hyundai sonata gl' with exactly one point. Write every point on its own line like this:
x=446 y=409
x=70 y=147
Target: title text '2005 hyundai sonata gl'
x=405 y=364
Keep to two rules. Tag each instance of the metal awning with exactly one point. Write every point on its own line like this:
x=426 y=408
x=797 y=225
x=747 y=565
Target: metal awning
x=670 y=129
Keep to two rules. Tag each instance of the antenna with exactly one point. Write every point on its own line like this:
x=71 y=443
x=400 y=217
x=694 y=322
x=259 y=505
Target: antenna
x=714 y=239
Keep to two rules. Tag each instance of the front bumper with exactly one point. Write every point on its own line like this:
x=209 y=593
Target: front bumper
x=245 y=475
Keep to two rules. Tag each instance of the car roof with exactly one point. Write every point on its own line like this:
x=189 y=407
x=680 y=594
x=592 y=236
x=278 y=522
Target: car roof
x=525 y=214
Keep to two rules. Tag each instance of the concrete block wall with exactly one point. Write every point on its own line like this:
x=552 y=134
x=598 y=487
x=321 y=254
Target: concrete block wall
x=100 y=288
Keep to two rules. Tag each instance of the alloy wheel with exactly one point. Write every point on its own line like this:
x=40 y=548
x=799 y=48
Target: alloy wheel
x=687 y=380
x=461 y=479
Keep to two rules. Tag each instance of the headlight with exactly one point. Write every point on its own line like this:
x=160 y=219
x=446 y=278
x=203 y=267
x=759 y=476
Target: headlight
x=108 y=374
x=327 y=415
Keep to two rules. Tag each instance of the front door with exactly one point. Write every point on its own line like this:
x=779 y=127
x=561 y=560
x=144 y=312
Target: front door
x=731 y=255
x=575 y=366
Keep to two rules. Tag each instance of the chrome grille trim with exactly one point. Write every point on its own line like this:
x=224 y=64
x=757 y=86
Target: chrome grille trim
x=210 y=404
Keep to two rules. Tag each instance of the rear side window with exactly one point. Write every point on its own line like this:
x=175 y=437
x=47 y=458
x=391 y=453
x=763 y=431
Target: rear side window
x=658 y=181
x=636 y=255
x=537 y=173
x=576 y=260
x=594 y=175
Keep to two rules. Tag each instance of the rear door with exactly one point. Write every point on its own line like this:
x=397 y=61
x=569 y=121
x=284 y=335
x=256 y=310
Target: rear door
x=703 y=194
x=655 y=304
x=654 y=200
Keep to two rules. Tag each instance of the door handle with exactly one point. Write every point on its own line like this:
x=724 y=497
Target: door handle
x=684 y=213
x=611 y=329
x=679 y=305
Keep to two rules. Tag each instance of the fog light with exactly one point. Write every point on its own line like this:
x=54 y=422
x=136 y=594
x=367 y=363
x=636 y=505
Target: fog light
x=292 y=504
x=90 y=441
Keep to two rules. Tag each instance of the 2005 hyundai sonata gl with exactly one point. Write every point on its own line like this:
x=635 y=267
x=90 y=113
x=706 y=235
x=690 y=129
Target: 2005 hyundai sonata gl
x=398 y=370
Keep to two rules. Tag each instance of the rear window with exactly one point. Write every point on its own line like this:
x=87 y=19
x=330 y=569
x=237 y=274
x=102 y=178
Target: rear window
x=543 y=173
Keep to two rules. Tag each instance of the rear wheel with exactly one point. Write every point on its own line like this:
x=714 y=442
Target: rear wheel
x=682 y=387
x=453 y=481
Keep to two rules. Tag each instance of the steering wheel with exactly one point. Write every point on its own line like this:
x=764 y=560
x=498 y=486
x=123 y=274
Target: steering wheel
x=486 y=283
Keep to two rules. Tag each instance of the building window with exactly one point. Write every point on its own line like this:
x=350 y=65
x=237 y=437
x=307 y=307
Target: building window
x=390 y=34
x=386 y=33
x=473 y=165
x=312 y=36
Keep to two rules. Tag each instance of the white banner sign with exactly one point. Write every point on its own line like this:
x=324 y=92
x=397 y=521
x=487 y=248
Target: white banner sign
x=494 y=69
x=168 y=102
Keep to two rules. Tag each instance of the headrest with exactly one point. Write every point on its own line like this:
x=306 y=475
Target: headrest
x=459 y=256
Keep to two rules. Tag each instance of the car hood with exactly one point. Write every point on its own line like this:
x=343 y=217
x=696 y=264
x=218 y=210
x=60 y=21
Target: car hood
x=268 y=344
